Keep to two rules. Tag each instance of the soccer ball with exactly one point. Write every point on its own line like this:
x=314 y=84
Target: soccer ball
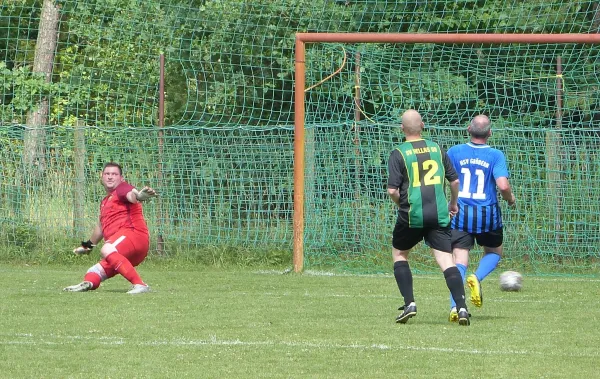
x=511 y=281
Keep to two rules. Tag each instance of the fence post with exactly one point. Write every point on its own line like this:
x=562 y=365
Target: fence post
x=79 y=157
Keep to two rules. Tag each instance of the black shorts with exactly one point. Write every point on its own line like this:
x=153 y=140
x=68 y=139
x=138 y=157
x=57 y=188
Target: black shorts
x=405 y=238
x=464 y=240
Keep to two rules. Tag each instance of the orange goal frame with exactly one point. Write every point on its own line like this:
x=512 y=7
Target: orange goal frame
x=408 y=38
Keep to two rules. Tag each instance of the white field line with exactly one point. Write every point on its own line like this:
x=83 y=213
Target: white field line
x=53 y=339
x=429 y=276
x=522 y=297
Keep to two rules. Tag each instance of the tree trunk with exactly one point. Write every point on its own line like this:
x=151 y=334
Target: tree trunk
x=37 y=118
x=596 y=19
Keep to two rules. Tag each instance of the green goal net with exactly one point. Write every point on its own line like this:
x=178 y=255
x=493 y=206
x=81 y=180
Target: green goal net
x=540 y=98
x=81 y=86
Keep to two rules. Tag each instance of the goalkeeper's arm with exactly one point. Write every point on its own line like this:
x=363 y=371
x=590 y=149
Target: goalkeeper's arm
x=87 y=246
x=136 y=196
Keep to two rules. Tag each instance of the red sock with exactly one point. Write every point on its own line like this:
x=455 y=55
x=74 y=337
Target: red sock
x=124 y=267
x=94 y=278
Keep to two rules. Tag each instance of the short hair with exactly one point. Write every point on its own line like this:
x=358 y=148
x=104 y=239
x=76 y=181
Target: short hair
x=113 y=164
x=412 y=122
x=480 y=126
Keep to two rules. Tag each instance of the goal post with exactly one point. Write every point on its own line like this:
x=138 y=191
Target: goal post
x=302 y=39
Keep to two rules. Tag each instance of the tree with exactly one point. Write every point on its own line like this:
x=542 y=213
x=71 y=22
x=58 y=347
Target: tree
x=37 y=118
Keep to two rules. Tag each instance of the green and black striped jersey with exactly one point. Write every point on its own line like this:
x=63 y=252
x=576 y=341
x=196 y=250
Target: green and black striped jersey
x=418 y=168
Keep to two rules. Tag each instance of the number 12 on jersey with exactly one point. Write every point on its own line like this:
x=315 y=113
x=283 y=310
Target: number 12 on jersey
x=430 y=168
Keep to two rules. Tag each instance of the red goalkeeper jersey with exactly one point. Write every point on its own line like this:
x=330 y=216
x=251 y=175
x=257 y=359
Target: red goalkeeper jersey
x=116 y=212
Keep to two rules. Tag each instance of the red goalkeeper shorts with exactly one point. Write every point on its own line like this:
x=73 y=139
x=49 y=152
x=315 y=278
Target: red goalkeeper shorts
x=131 y=244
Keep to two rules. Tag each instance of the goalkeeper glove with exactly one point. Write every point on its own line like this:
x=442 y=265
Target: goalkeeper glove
x=85 y=248
x=145 y=194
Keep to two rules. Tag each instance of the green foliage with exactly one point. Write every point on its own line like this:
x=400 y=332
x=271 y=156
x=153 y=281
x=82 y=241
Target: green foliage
x=228 y=62
x=223 y=164
x=21 y=236
x=223 y=256
x=26 y=89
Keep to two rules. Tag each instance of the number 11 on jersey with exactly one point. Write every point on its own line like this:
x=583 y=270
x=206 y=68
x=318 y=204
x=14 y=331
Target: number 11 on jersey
x=479 y=194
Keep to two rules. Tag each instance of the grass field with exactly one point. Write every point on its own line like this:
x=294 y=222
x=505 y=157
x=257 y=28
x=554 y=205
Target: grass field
x=211 y=323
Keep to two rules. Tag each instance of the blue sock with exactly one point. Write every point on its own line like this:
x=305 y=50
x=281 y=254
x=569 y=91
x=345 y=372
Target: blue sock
x=463 y=272
x=487 y=264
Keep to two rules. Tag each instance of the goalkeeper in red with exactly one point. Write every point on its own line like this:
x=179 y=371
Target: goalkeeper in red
x=124 y=230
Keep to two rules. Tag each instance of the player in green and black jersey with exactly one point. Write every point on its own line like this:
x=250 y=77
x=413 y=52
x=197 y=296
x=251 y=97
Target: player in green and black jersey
x=417 y=169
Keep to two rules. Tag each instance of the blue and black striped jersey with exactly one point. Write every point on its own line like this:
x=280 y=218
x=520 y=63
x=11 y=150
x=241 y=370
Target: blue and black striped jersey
x=478 y=167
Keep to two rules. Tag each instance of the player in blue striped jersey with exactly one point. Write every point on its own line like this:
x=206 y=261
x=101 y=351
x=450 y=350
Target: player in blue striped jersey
x=482 y=171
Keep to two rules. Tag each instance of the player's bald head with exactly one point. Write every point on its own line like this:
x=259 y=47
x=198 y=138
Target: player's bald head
x=412 y=123
x=480 y=126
